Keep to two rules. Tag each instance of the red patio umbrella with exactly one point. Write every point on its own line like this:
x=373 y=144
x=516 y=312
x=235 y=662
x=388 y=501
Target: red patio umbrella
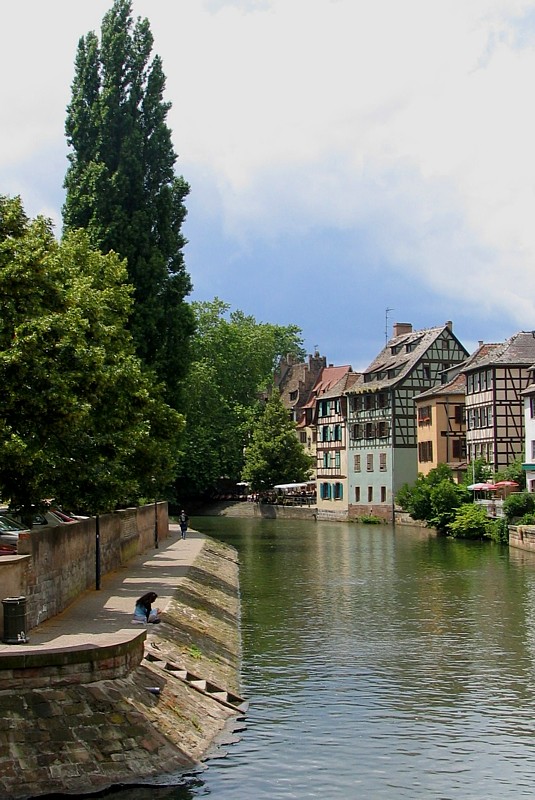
x=504 y=485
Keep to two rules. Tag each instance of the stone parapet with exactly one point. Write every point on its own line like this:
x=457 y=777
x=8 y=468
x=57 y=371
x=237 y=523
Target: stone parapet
x=106 y=657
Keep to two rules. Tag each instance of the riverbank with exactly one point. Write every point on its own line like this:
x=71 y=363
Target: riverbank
x=66 y=732
x=240 y=508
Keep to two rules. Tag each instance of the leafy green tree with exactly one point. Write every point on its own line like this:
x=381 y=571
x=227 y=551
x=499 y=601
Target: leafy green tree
x=234 y=358
x=274 y=454
x=121 y=186
x=433 y=498
x=471 y=522
x=479 y=471
x=513 y=472
x=81 y=420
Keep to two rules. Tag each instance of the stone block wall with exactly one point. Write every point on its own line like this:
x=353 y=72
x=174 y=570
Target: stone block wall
x=522 y=537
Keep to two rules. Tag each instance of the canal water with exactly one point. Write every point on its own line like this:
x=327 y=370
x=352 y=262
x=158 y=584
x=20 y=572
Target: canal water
x=379 y=664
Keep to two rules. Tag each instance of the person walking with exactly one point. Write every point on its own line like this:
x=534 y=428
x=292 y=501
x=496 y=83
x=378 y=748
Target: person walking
x=183 y=520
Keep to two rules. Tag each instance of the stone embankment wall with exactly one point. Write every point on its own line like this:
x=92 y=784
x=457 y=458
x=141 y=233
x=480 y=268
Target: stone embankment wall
x=522 y=537
x=55 y=565
x=239 y=508
x=84 y=733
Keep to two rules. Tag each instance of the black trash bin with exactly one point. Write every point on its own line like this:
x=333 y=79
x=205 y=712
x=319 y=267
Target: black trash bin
x=14 y=620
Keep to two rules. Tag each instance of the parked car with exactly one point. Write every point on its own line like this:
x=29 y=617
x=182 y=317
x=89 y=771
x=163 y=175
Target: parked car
x=42 y=519
x=63 y=516
x=9 y=534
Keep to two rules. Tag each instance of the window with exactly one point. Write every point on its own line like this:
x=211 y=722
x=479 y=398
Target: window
x=470 y=384
x=325 y=433
x=357 y=494
x=532 y=406
x=369 y=462
x=382 y=462
x=382 y=399
x=325 y=491
x=370 y=430
x=338 y=491
x=383 y=494
x=459 y=449
x=356 y=430
x=425 y=451
x=460 y=416
x=303 y=437
x=323 y=408
x=370 y=494
x=326 y=460
x=337 y=433
x=424 y=415
x=356 y=463
x=426 y=371
x=293 y=395
x=382 y=429
x=337 y=459
x=369 y=401
x=532 y=450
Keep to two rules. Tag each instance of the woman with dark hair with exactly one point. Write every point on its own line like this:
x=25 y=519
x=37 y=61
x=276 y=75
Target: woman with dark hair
x=144 y=612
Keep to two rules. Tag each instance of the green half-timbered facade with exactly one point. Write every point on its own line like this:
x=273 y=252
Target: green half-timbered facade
x=381 y=416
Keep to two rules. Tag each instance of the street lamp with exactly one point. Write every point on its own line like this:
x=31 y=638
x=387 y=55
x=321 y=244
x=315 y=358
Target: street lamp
x=156 y=545
x=97 y=552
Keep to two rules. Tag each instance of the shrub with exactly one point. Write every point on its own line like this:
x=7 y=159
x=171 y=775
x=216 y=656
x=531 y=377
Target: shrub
x=527 y=519
x=370 y=519
x=470 y=522
x=498 y=530
x=518 y=504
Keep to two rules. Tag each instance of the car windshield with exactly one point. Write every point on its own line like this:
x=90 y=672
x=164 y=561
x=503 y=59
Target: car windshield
x=7 y=524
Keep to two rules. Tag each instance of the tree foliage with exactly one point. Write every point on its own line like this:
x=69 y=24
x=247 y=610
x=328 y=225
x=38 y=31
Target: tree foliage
x=513 y=472
x=433 y=498
x=470 y=522
x=121 y=186
x=274 y=454
x=234 y=357
x=81 y=419
x=480 y=471
x=518 y=505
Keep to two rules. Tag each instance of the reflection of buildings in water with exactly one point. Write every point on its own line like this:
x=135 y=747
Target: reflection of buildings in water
x=525 y=560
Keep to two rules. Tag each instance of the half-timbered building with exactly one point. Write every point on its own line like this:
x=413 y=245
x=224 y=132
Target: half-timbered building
x=495 y=403
x=528 y=464
x=330 y=414
x=382 y=424
x=441 y=419
x=307 y=429
x=295 y=380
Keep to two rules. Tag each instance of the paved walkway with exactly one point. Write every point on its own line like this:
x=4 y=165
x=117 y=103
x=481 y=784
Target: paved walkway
x=95 y=615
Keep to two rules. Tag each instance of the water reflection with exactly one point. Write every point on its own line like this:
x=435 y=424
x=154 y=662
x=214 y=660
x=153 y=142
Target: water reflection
x=378 y=664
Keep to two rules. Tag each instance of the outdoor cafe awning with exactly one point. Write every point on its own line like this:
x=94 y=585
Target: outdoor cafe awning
x=294 y=485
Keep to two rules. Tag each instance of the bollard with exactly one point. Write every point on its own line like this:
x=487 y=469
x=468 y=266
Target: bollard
x=14 y=620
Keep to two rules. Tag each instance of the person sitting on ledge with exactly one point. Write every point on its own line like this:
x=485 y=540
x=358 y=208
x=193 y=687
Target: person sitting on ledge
x=144 y=612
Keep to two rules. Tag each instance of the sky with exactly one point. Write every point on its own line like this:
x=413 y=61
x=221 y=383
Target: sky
x=352 y=163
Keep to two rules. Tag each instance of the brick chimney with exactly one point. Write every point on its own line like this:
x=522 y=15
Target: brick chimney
x=402 y=327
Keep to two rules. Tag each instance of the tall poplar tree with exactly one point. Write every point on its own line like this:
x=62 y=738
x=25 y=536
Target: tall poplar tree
x=122 y=188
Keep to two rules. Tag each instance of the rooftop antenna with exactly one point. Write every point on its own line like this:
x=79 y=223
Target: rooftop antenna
x=386 y=323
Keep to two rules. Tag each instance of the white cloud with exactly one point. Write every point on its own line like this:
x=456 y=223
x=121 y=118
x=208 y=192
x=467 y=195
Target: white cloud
x=413 y=119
